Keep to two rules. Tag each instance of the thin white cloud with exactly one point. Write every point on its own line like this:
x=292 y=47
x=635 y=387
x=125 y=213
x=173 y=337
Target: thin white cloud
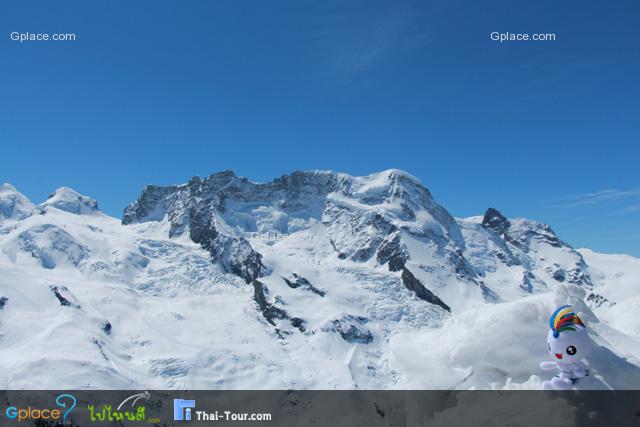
x=598 y=197
x=347 y=43
x=630 y=209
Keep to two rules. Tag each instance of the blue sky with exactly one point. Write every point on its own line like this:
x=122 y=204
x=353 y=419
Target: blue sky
x=156 y=92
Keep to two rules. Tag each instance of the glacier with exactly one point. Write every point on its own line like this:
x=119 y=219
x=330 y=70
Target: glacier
x=371 y=284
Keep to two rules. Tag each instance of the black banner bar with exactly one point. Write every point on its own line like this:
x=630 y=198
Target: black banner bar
x=320 y=408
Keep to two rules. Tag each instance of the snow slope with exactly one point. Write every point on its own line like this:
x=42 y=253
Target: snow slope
x=617 y=299
x=316 y=280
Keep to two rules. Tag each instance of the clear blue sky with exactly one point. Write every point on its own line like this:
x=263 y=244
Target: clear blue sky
x=156 y=92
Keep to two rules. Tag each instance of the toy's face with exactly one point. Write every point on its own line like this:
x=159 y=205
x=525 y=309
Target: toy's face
x=570 y=346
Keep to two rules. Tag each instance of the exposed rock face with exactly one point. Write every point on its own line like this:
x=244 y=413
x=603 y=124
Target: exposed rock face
x=65 y=301
x=421 y=292
x=579 y=275
x=517 y=241
x=527 y=281
x=3 y=302
x=597 y=300
x=351 y=328
x=152 y=205
x=394 y=252
x=270 y=312
x=520 y=233
x=495 y=221
x=106 y=327
x=560 y=275
x=195 y=207
x=296 y=281
x=523 y=237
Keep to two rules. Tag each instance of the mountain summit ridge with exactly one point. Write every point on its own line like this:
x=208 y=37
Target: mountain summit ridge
x=378 y=217
x=13 y=204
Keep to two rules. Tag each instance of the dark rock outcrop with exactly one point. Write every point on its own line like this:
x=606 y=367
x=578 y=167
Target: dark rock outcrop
x=234 y=254
x=523 y=236
x=296 y=281
x=560 y=275
x=495 y=221
x=393 y=252
x=106 y=327
x=270 y=312
x=195 y=207
x=597 y=300
x=580 y=276
x=413 y=284
x=64 y=301
x=351 y=328
x=298 y=323
x=3 y=302
x=527 y=281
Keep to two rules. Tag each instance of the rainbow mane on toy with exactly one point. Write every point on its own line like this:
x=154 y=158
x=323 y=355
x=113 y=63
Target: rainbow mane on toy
x=565 y=319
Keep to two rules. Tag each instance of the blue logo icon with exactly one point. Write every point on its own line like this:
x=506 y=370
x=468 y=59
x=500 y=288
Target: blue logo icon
x=61 y=403
x=182 y=409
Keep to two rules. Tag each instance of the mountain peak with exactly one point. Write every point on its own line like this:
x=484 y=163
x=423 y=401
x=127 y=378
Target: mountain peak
x=297 y=190
x=68 y=200
x=494 y=220
x=13 y=204
x=399 y=174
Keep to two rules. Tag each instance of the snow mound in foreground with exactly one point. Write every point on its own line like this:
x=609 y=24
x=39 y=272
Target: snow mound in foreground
x=500 y=346
x=618 y=281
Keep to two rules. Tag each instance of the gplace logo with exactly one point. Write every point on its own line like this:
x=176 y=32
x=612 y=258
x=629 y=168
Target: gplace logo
x=182 y=409
x=64 y=401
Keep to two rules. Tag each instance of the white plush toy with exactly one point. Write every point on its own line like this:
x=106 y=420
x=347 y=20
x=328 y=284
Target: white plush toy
x=568 y=343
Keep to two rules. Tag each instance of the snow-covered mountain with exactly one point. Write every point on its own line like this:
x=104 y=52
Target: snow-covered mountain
x=313 y=280
x=13 y=205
